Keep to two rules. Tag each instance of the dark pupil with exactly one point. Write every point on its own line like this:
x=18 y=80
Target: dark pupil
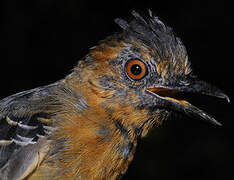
x=136 y=69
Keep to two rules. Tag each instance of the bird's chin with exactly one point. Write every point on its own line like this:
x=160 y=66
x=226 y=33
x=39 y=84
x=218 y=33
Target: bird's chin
x=170 y=99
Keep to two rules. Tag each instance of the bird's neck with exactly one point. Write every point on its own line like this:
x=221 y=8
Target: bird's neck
x=97 y=142
x=95 y=147
x=98 y=134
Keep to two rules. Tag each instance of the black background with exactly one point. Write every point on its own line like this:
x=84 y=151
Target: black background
x=41 y=40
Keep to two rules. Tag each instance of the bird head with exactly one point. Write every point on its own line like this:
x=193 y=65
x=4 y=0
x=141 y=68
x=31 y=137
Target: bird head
x=137 y=76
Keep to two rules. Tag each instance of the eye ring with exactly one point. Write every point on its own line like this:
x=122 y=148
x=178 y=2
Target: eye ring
x=136 y=69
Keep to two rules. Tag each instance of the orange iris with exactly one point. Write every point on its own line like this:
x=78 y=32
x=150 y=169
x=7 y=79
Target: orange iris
x=136 y=69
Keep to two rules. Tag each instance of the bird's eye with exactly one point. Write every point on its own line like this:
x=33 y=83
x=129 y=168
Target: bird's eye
x=136 y=69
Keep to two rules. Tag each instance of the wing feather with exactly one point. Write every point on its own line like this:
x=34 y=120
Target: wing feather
x=26 y=119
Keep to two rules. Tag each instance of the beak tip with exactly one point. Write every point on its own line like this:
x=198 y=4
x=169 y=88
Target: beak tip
x=218 y=123
x=215 y=122
x=227 y=98
x=224 y=96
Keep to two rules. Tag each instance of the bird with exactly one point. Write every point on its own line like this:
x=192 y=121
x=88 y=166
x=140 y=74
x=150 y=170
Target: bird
x=87 y=125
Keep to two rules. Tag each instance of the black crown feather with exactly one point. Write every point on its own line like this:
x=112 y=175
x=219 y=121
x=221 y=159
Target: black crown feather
x=154 y=33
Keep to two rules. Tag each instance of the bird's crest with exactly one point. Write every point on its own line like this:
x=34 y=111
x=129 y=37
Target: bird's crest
x=153 y=32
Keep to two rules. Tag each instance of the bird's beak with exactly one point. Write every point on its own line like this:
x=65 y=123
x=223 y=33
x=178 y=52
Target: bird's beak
x=169 y=97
